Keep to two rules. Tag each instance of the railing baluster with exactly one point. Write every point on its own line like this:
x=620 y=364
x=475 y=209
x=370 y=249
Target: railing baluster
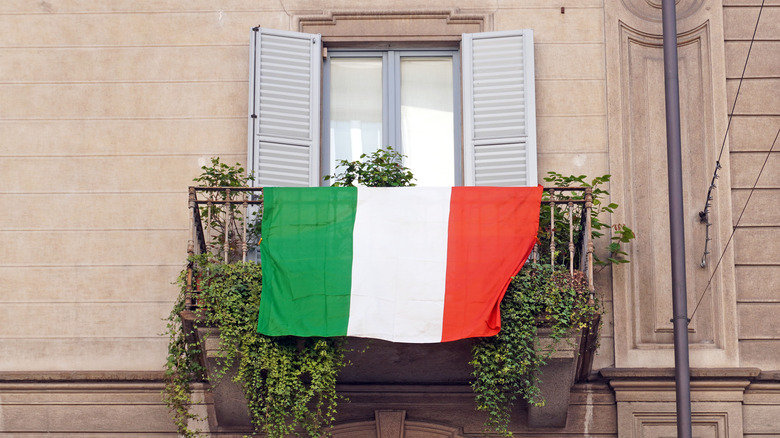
x=552 y=228
x=588 y=236
x=207 y=234
x=193 y=235
x=244 y=246
x=190 y=248
x=228 y=219
x=571 y=238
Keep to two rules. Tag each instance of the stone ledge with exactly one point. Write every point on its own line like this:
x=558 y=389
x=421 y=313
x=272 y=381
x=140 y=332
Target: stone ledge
x=771 y=376
x=81 y=376
x=668 y=373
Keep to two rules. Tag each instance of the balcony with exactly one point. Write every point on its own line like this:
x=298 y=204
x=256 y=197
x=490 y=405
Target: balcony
x=385 y=374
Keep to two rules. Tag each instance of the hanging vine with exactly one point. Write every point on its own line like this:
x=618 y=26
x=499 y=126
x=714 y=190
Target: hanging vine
x=289 y=382
x=507 y=366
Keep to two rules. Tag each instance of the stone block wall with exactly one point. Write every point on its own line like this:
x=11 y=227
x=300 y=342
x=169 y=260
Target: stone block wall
x=108 y=110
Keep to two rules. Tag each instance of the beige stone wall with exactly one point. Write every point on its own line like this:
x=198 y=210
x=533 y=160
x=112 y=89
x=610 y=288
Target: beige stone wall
x=109 y=109
x=753 y=129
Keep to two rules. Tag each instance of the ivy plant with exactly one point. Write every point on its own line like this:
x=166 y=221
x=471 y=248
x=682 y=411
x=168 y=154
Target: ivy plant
x=219 y=174
x=289 y=382
x=507 y=366
x=182 y=366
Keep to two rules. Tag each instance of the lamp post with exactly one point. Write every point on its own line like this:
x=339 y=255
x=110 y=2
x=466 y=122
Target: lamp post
x=676 y=221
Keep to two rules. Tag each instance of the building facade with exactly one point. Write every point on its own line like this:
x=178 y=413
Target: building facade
x=108 y=110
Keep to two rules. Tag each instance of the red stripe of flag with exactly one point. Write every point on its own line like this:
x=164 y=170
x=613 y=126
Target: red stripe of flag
x=492 y=231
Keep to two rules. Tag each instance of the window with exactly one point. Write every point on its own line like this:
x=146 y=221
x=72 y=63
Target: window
x=408 y=99
x=405 y=99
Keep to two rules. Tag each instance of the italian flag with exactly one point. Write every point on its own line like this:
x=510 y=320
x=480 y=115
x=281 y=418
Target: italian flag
x=403 y=264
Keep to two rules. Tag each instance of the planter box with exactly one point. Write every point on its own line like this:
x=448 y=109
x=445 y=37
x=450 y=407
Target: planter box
x=557 y=378
x=386 y=365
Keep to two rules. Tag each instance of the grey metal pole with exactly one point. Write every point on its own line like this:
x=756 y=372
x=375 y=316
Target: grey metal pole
x=682 y=370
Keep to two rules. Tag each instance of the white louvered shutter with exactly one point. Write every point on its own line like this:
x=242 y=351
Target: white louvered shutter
x=499 y=110
x=284 y=104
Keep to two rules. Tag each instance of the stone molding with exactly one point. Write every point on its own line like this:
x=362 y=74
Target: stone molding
x=666 y=373
x=650 y=9
x=647 y=422
x=88 y=381
x=377 y=26
x=95 y=403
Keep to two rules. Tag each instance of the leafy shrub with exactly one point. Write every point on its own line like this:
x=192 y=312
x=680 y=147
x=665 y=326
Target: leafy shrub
x=382 y=168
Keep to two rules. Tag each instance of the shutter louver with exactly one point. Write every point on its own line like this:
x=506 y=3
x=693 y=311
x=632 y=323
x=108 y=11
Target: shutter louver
x=499 y=116
x=284 y=108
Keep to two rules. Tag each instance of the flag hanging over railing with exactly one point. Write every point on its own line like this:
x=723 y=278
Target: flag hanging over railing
x=403 y=264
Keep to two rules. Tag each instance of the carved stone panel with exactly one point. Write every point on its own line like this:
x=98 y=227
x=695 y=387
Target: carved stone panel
x=662 y=425
x=646 y=401
x=390 y=424
x=638 y=163
x=646 y=190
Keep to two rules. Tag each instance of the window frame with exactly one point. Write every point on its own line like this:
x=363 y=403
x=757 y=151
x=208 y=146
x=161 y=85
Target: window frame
x=391 y=98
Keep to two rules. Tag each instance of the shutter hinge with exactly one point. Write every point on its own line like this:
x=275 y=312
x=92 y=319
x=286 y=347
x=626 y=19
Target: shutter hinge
x=254 y=116
x=256 y=28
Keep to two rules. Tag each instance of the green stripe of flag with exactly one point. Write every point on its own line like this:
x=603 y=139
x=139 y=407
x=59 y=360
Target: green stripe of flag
x=311 y=295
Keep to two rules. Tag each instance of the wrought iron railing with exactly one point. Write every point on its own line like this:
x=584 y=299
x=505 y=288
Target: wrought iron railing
x=225 y=221
x=567 y=210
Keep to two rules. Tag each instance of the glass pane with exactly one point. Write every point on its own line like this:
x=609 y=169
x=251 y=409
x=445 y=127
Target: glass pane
x=355 y=107
x=427 y=119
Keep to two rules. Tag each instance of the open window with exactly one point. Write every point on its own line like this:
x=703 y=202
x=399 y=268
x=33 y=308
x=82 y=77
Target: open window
x=461 y=116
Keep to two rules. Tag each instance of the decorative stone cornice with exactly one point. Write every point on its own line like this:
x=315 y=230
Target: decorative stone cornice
x=658 y=385
x=368 y=26
x=613 y=374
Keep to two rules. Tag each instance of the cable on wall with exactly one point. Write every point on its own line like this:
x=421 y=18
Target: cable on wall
x=734 y=228
x=704 y=215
